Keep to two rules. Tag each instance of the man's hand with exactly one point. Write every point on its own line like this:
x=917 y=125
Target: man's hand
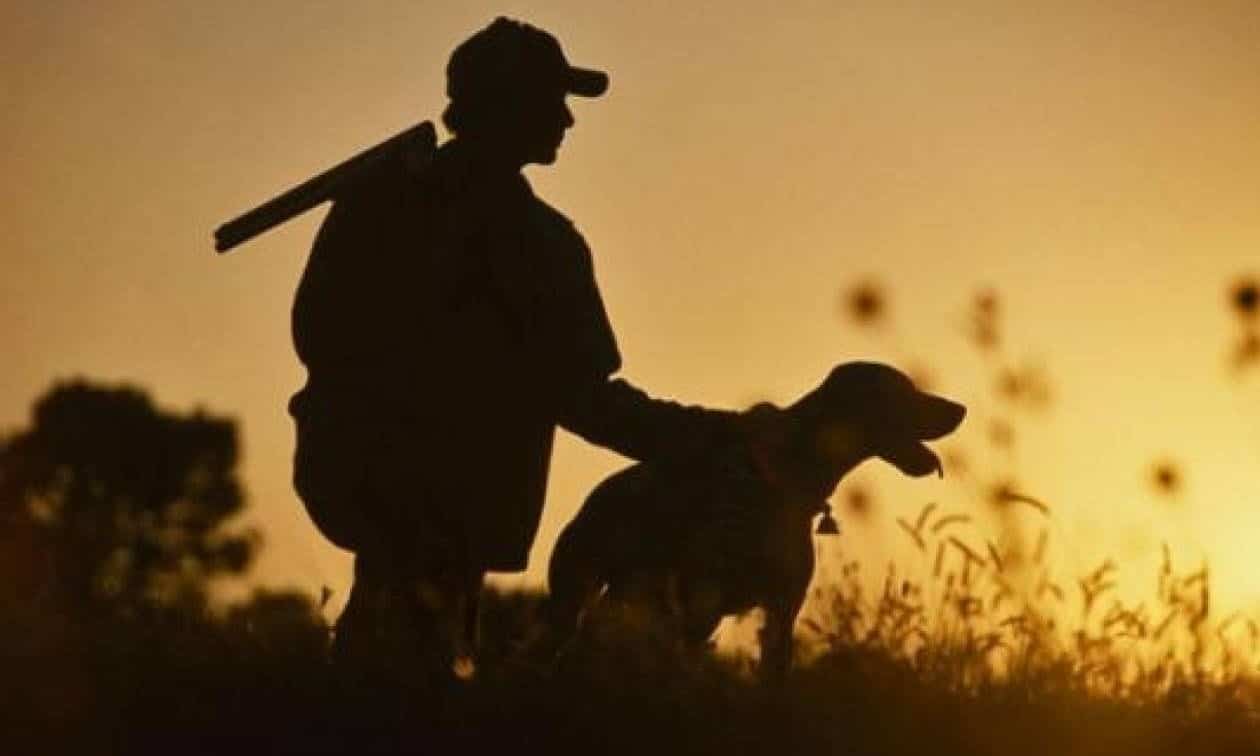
x=765 y=431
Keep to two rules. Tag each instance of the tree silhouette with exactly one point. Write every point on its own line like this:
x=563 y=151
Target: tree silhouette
x=107 y=500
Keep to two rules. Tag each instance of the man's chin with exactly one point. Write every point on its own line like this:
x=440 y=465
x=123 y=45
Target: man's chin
x=545 y=155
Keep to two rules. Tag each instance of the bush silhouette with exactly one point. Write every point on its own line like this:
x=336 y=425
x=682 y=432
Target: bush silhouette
x=108 y=501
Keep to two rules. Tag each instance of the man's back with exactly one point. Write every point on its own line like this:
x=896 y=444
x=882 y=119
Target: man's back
x=449 y=315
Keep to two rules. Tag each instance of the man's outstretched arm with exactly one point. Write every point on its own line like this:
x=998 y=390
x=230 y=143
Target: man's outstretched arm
x=616 y=415
x=572 y=336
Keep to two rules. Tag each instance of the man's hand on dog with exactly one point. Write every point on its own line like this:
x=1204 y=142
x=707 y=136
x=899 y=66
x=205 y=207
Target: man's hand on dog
x=764 y=430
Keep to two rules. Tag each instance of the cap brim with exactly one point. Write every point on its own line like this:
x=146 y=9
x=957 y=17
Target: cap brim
x=586 y=82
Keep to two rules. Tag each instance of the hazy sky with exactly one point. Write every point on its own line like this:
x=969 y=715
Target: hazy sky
x=1094 y=162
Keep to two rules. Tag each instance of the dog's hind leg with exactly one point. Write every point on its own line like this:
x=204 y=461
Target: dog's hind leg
x=574 y=584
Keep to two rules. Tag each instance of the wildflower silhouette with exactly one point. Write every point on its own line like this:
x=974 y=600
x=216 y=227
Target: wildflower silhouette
x=1026 y=386
x=1001 y=493
x=866 y=303
x=858 y=501
x=983 y=320
x=1166 y=478
x=1001 y=434
x=1246 y=298
x=1247 y=351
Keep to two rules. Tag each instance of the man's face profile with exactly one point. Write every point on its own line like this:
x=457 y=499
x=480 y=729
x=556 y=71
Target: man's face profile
x=508 y=84
x=543 y=124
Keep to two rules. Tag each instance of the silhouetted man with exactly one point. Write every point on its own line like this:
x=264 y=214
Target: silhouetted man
x=449 y=322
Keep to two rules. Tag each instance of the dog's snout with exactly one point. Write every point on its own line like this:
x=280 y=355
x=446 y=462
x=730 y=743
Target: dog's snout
x=939 y=417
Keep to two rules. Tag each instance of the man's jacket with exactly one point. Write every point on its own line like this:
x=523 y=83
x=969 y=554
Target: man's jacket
x=448 y=324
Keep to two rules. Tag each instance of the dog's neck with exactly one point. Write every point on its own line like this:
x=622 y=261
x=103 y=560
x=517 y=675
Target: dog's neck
x=806 y=473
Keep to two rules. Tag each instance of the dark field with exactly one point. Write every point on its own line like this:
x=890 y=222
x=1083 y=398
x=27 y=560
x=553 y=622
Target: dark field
x=892 y=673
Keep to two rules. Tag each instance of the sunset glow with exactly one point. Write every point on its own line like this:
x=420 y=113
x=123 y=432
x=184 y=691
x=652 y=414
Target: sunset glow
x=1096 y=169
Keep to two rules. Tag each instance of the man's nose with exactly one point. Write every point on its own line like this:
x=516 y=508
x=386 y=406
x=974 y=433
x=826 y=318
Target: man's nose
x=568 y=116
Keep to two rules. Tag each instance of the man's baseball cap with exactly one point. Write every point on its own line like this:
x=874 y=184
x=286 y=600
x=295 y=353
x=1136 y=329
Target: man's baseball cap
x=508 y=56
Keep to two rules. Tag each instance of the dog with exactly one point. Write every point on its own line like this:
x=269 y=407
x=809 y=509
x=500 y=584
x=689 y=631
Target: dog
x=695 y=541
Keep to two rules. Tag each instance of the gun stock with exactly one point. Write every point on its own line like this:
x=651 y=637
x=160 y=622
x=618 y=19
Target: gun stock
x=415 y=147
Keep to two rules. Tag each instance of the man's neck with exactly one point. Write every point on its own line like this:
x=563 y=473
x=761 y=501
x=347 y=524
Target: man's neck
x=488 y=158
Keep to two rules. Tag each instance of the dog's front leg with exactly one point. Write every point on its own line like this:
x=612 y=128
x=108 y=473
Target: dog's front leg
x=776 y=644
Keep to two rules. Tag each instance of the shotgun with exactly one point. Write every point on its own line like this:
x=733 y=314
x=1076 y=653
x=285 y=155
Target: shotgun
x=413 y=147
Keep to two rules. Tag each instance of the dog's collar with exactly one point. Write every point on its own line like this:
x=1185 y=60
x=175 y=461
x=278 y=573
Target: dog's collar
x=768 y=475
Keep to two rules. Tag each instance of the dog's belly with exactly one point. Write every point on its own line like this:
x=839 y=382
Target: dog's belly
x=702 y=547
x=745 y=585
x=713 y=576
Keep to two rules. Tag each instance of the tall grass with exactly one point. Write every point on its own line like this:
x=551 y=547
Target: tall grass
x=983 y=621
x=961 y=663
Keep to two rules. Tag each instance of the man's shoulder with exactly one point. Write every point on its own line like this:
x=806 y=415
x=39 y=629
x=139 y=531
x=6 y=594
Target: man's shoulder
x=548 y=213
x=558 y=231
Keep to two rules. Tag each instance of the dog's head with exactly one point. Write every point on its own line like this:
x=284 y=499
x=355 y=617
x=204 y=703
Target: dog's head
x=864 y=409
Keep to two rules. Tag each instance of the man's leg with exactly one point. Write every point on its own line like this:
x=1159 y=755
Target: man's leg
x=410 y=619
x=464 y=665
x=415 y=601
x=376 y=633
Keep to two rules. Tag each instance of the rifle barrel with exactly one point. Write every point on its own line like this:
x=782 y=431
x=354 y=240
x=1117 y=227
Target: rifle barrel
x=416 y=145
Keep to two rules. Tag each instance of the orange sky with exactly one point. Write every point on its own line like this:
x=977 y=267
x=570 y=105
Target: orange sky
x=1099 y=168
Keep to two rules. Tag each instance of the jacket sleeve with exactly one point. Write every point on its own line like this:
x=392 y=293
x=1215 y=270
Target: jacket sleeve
x=546 y=279
x=606 y=411
x=616 y=415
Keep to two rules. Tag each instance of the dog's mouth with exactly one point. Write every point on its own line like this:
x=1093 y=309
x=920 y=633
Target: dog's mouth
x=934 y=418
x=914 y=459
